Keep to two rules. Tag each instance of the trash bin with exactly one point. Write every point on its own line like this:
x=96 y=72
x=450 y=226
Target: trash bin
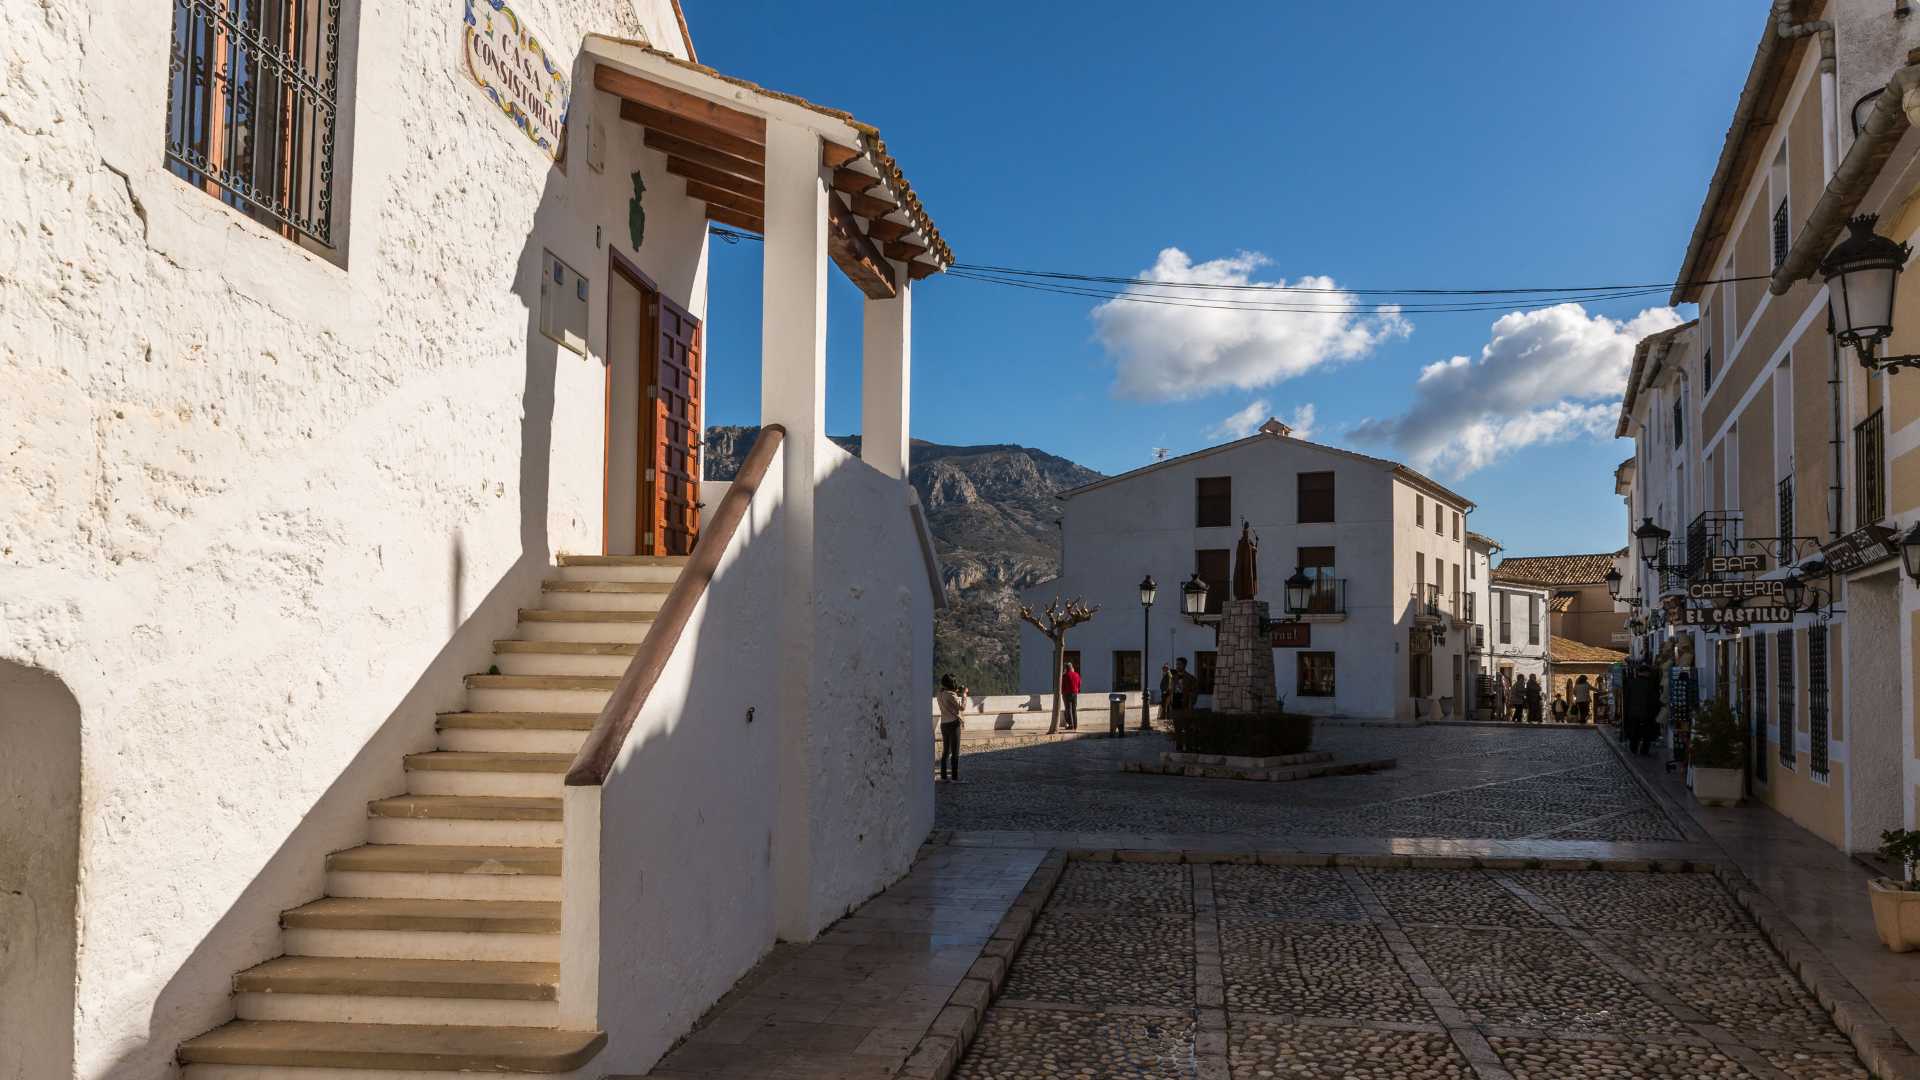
x=1117 y=714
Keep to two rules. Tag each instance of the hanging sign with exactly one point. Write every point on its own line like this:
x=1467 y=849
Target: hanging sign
x=1860 y=548
x=1292 y=635
x=1419 y=640
x=511 y=67
x=1736 y=616
x=1735 y=564
x=1736 y=590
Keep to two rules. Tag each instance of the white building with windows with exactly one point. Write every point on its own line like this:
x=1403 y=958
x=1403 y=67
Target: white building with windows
x=1386 y=634
x=1518 y=630
x=364 y=618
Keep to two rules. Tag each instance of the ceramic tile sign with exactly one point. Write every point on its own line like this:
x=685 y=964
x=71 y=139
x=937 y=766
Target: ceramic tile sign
x=513 y=70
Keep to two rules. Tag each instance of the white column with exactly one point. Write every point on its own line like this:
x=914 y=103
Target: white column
x=886 y=378
x=793 y=393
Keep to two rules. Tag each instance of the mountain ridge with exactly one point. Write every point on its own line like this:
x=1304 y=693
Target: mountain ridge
x=992 y=512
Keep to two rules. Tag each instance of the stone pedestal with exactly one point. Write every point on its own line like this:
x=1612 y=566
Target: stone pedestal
x=1243 y=672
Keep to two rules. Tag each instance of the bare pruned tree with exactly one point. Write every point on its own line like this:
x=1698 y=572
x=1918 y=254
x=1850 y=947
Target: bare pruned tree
x=1059 y=617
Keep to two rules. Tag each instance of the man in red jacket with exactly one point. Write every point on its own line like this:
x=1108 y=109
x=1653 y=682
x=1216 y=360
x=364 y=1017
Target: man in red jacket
x=1070 y=695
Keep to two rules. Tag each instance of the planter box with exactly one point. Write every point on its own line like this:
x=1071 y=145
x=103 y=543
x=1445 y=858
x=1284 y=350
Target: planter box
x=1718 y=787
x=1896 y=914
x=1236 y=735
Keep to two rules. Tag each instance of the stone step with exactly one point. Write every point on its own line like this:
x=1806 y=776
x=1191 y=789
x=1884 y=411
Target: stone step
x=276 y=1046
x=445 y=872
x=424 y=930
x=563 y=657
x=468 y=772
x=388 y=977
x=645 y=596
x=466 y=819
x=540 y=693
x=625 y=627
x=516 y=721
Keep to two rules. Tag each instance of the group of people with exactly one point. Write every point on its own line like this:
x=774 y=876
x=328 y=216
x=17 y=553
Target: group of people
x=1520 y=700
x=1178 y=688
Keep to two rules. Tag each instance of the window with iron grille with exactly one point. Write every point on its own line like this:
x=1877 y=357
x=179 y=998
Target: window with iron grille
x=1780 y=233
x=1786 y=505
x=1706 y=370
x=1679 y=424
x=1817 y=699
x=1760 y=708
x=252 y=93
x=1783 y=705
x=1869 y=471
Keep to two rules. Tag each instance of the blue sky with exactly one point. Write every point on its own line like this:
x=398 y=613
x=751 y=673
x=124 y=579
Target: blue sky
x=1380 y=146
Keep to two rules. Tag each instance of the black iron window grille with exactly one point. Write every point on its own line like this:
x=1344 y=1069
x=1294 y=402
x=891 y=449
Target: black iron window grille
x=1869 y=471
x=1786 y=505
x=1783 y=705
x=1760 y=709
x=1780 y=244
x=1817 y=699
x=251 y=100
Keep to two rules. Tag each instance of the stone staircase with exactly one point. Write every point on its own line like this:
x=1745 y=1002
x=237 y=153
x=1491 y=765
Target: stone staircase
x=436 y=951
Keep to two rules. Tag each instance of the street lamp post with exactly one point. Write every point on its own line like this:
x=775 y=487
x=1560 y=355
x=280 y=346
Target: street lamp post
x=1147 y=591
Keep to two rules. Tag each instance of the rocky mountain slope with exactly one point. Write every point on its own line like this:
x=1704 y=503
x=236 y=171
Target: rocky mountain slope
x=991 y=510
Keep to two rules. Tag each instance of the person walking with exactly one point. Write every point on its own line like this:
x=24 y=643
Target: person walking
x=1517 y=701
x=1582 y=700
x=1559 y=709
x=1070 y=695
x=1502 y=690
x=1166 y=695
x=1534 y=699
x=953 y=700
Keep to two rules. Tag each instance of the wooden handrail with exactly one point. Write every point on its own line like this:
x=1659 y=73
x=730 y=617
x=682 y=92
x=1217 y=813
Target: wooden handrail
x=595 y=759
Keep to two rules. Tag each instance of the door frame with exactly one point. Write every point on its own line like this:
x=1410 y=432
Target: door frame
x=620 y=266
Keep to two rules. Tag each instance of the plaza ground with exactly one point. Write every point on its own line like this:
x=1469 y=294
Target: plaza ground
x=1441 y=919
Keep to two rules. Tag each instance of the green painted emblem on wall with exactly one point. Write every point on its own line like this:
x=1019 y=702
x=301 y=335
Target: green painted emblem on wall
x=636 y=215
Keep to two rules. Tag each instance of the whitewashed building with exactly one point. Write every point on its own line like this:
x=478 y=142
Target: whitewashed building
x=360 y=603
x=1384 y=638
x=1478 y=614
x=1519 y=633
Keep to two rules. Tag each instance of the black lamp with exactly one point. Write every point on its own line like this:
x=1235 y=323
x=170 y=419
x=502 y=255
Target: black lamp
x=1652 y=538
x=1148 y=589
x=1299 y=593
x=1613 y=582
x=1862 y=273
x=1796 y=591
x=1910 y=552
x=1193 y=597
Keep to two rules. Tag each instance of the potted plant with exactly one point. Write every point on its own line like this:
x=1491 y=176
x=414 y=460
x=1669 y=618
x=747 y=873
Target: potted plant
x=1896 y=904
x=1718 y=754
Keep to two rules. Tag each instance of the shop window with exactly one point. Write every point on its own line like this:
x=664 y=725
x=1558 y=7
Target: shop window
x=1817 y=699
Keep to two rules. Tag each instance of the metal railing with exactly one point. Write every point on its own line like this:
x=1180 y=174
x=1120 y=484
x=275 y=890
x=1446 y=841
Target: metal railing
x=1329 y=597
x=1479 y=636
x=1712 y=532
x=1869 y=470
x=1426 y=601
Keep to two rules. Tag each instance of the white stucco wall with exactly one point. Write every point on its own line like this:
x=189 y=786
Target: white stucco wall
x=686 y=897
x=258 y=510
x=869 y=747
x=1115 y=534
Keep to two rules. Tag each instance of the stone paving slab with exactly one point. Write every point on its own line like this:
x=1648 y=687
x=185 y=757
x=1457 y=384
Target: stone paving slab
x=1491 y=969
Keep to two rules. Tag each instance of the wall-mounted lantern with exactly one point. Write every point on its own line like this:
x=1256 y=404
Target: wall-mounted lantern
x=1299 y=593
x=1193 y=597
x=1652 y=540
x=1910 y=552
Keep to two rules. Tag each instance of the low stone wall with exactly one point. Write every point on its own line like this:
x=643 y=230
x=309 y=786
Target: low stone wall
x=1278 y=768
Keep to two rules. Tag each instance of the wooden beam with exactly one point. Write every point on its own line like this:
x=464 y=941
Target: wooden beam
x=680 y=103
x=735 y=218
x=714 y=196
x=853 y=182
x=739 y=185
x=887 y=231
x=712 y=138
x=702 y=155
x=833 y=155
x=918 y=270
x=869 y=207
x=855 y=255
x=903 y=251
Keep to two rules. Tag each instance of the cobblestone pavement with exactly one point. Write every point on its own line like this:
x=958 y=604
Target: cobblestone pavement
x=1236 y=972
x=1451 y=782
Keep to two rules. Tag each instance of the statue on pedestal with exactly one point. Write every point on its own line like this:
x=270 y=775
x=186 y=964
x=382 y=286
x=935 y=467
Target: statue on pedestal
x=1246 y=571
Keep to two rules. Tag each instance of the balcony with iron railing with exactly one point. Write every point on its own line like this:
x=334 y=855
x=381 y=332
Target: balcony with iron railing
x=1328 y=597
x=1426 y=603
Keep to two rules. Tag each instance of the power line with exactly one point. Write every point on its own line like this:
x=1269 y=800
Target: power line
x=1279 y=297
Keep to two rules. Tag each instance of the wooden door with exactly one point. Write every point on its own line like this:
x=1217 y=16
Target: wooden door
x=670 y=512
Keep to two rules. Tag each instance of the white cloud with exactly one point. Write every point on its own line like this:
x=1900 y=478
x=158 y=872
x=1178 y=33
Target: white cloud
x=1302 y=421
x=1163 y=351
x=1243 y=423
x=1544 y=376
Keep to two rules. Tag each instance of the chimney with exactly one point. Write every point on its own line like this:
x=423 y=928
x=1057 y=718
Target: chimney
x=1273 y=426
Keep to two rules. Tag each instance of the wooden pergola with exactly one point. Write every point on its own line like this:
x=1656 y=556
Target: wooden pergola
x=873 y=218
